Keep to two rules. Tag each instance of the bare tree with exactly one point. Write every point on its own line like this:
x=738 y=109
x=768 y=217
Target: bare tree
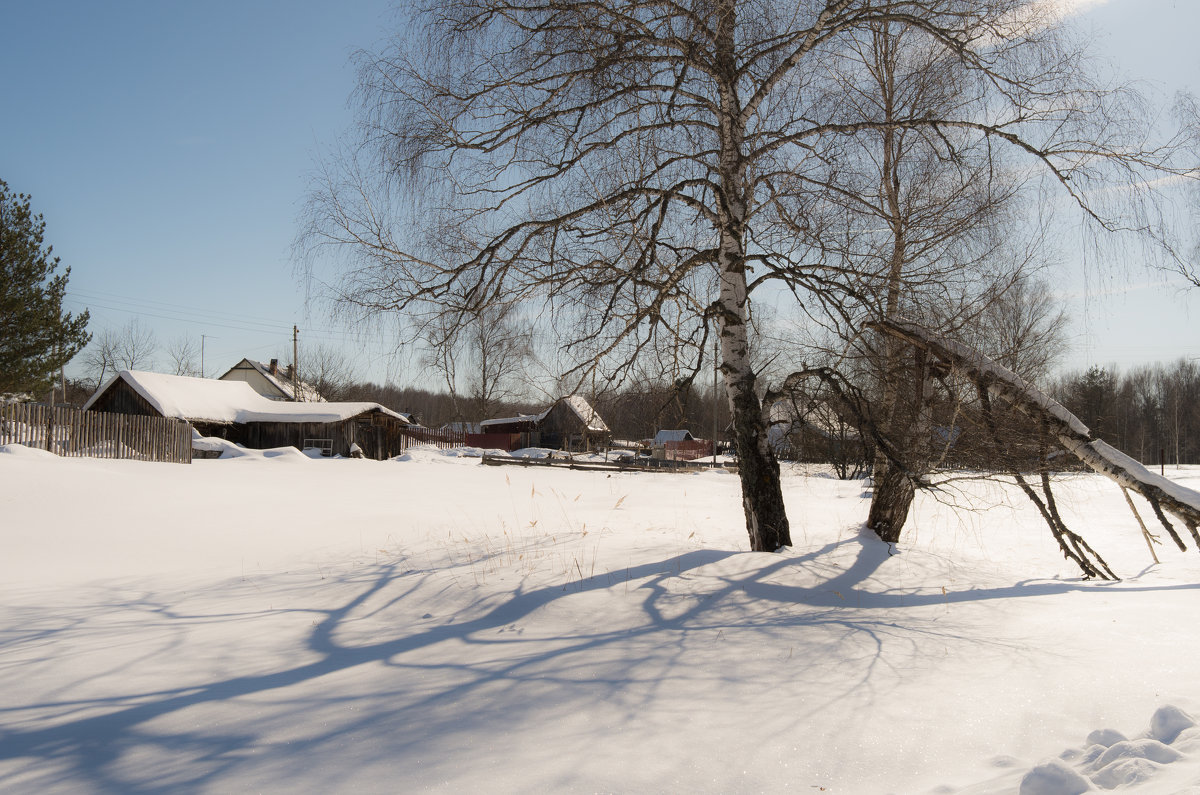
x=329 y=372
x=499 y=345
x=100 y=356
x=602 y=161
x=441 y=338
x=132 y=347
x=184 y=354
x=135 y=346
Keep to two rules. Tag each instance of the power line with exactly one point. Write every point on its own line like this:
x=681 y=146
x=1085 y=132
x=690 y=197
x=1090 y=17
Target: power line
x=250 y=326
x=164 y=305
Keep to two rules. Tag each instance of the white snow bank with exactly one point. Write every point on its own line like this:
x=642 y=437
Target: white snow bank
x=535 y=452
x=431 y=453
x=1053 y=777
x=25 y=451
x=230 y=450
x=1112 y=762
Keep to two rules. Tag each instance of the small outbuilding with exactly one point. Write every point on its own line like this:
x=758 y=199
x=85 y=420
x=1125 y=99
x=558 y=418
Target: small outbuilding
x=569 y=424
x=679 y=445
x=232 y=410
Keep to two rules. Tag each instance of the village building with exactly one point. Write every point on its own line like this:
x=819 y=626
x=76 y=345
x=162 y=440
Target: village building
x=679 y=445
x=272 y=382
x=570 y=424
x=234 y=411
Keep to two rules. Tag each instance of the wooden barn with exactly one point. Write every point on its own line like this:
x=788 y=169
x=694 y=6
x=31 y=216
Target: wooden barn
x=570 y=424
x=232 y=410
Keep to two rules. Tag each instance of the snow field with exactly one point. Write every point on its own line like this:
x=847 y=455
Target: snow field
x=277 y=623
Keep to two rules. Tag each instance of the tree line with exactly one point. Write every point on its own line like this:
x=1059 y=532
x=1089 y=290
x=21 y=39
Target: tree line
x=1151 y=412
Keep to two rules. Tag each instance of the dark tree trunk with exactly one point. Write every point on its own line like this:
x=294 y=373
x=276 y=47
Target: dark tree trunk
x=890 y=501
x=762 y=491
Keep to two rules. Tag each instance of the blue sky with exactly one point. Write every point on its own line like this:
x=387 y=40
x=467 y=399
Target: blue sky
x=168 y=145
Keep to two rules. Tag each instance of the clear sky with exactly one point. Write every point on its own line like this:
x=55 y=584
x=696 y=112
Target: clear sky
x=168 y=145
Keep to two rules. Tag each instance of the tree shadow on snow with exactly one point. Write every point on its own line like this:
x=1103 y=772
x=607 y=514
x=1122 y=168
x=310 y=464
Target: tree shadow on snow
x=681 y=604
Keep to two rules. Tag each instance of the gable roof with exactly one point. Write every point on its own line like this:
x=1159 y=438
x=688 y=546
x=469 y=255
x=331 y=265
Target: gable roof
x=212 y=400
x=587 y=415
x=308 y=393
x=673 y=436
x=575 y=404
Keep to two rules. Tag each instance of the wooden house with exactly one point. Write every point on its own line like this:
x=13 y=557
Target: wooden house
x=272 y=382
x=232 y=410
x=570 y=424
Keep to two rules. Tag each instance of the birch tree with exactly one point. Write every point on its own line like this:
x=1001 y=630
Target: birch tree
x=603 y=159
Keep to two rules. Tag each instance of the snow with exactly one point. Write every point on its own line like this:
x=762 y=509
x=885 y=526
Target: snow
x=276 y=623
x=1176 y=491
x=210 y=400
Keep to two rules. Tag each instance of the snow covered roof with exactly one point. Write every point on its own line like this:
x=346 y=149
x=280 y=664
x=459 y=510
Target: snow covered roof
x=530 y=418
x=583 y=410
x=682 y=435
x=211 y=400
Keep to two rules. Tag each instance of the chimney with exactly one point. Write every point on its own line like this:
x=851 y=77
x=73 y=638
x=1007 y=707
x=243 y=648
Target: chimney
x=274 y=368
x=288 y=372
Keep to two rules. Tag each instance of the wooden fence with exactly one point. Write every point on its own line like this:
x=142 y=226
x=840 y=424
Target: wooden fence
x=71 y=432
x=443 y=440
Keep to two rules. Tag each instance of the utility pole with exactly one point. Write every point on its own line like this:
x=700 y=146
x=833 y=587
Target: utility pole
x=296 y=363
x=202 y=336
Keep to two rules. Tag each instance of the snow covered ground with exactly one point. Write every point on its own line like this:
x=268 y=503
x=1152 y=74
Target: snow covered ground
x=275 y=623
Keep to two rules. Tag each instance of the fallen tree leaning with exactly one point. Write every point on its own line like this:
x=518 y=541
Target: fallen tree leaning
x=1164 y=496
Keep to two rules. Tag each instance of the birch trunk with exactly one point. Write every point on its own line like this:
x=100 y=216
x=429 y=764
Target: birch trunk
x=762 y=492
x=892 y=487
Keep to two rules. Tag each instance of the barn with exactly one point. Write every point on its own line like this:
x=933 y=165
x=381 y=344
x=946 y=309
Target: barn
x=570 y=424
x=232 y=410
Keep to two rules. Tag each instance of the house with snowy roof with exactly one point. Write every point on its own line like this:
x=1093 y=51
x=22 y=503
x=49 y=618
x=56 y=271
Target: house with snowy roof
x=569 y=424
x=679 y=445
x=272 y=382
x=233 y=411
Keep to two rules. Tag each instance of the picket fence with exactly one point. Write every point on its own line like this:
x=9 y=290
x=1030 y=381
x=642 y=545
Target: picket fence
x=443 y=440
x=68 y=431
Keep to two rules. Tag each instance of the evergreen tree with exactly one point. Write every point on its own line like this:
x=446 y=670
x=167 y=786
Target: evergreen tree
x=36 y=336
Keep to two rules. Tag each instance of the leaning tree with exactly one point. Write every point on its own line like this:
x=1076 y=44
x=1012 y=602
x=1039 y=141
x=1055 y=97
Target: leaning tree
x=614 y=163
